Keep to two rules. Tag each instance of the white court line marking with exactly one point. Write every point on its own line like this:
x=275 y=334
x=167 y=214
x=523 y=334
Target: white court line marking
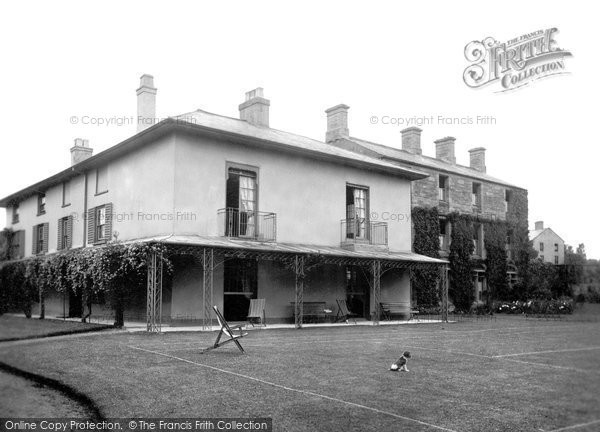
x=548 y=352
x=550 y=365
x=306 y=392
x=452 y=352
x=575 y=426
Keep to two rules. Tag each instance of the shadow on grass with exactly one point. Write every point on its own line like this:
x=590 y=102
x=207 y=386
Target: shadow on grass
x=76 y=396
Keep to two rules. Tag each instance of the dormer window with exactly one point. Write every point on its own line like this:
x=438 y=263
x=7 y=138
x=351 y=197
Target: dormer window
x=507 y=199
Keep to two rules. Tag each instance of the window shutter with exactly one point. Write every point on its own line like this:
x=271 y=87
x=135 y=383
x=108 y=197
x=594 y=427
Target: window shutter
x=46 y=236
x=59 y=244
x=34 y=240
x=91 y=228
x=108 y=228
x=69 y=232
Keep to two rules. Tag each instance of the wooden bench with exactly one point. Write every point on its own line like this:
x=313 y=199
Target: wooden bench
x=389 y=309
x=312 y=311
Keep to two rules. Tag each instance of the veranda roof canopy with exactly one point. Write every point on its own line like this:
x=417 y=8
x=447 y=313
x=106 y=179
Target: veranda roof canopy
x=331 y=252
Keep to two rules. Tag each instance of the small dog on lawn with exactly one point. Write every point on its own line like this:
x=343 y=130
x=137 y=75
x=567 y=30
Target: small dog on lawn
x=400 y=365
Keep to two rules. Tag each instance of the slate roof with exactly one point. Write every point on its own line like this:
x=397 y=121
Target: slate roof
x=418 y=161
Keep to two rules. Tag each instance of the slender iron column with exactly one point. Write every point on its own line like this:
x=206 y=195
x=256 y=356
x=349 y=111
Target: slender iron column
x=376 y=273
x=299 y=273
x=207 y=287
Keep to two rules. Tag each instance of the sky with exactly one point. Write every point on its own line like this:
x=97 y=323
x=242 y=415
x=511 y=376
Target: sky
x=66 y=63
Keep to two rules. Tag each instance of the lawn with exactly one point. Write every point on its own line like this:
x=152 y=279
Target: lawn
x=510 y=374
x=17 y=327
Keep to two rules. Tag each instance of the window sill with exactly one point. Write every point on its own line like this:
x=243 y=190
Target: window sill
x=101 y=193
x=66 y=205
x=100 y=242
x=41 y=213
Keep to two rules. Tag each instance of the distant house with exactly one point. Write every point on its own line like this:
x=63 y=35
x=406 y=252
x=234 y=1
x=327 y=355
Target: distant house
x=549 y=246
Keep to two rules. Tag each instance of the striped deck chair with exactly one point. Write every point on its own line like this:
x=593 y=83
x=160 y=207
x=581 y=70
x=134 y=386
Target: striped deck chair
x=257 y=312
x=228 y=331
x=343 y=312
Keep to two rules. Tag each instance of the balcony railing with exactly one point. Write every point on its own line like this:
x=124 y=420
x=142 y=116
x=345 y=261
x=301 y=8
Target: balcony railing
x=358 y=230
x=251 y=225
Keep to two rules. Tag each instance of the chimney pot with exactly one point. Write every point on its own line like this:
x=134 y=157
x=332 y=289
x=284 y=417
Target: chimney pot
x=411 y=140
x=146 y=103
x=337 y=123
x=444 y=149
x=255 y=110
x=80 y=151
x=539 y=225
x=478 y=159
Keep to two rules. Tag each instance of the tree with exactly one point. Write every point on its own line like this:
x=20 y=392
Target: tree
x=575 y=262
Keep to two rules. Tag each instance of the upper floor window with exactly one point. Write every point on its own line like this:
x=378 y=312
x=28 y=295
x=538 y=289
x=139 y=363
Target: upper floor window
x=541 y=246
x=476 y=195
x=444 y=234
x=241 y=203
x=41 y=204
x=65 y=231
x=15 y=213
x=102 y=180
x=100 y=224
x=40 y=239
x=443 y=188
x=66 y=193
x=357 y=207
x=555 y=247
x=507 y=199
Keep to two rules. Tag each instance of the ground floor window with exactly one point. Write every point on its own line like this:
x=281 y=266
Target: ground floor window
x=240 y=281
x=480 y=285
x=357 y=292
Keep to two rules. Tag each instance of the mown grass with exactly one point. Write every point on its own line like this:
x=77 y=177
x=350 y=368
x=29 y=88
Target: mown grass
x=338 y=378
x=15 y=327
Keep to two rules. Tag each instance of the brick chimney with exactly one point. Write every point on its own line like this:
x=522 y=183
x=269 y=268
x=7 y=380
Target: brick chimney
x=478 y=158
x=146 y=103
x=337 y=123
x=411 y=140
x=539 y=225
x=255 y=110
x=80 y=151
x=444 y=149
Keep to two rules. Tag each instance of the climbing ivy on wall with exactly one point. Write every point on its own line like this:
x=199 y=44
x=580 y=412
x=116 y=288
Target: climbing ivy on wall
x=461 y=289
x=115 y=270
x=495 y=246
x=6 y=236
x=426 y=242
